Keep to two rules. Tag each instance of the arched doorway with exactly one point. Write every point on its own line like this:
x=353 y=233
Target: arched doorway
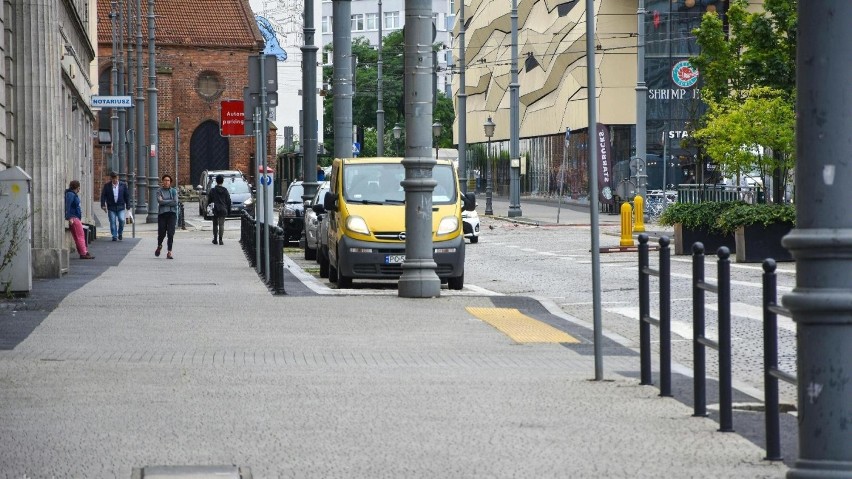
x=208 y=150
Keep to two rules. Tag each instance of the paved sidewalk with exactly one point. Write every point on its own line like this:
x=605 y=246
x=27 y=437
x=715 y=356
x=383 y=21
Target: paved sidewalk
x=132 y=360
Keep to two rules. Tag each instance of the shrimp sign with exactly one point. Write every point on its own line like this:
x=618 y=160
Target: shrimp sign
x=684 y=74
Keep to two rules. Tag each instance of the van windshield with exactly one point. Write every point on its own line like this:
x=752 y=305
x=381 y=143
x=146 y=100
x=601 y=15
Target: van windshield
x=378 y=183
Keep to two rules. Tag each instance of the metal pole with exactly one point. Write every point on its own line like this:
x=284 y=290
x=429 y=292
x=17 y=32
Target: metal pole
x=821 y=243
x=645 y=376
x=665 y=162
x=641 y=98
x=131 y=113
x=699 y=376
x=122 y=112
x=770 y=362
x=380 y=110
x=259 y=206
x=267 y=217
x=726 y=399
x=309 y=105
x=462 y=102
x=342 y=81
x=113 y=150
x=488 y=209
x=154 y=142
x=418 y=279
x=665 y=318
x=141 y=164
x=514 y=124
x=593 y=187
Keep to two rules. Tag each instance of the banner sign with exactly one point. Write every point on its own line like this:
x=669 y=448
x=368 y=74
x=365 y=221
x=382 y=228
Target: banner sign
x=111 y=101
x=232 y=116
x=604 y=163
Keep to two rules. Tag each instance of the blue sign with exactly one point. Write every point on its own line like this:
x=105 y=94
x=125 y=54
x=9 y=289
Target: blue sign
x=356 y=148
x=266 y=179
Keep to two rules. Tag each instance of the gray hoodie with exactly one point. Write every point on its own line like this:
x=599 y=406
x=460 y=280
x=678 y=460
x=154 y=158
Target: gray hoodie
x=167 y=198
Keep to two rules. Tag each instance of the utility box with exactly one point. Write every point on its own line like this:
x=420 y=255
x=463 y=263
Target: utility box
x=16 y=262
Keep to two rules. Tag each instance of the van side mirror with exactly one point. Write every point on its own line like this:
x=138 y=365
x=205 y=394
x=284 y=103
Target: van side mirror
x=329 y=201
x=469 y=201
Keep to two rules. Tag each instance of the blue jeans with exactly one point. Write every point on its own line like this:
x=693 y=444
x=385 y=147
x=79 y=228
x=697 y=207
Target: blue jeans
x=116 y=223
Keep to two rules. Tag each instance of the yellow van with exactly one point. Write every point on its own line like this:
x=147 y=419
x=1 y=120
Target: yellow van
x=366 y=222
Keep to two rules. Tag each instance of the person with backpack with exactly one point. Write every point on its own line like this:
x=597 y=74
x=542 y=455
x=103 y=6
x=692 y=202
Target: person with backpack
x=220 y=198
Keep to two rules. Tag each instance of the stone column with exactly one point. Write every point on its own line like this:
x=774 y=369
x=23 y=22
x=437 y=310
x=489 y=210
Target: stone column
x=37 y=79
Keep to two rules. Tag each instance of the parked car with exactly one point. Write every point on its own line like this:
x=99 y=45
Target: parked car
x=292 y=216
x=313 y=216
x=470 y=224
x=236 y=184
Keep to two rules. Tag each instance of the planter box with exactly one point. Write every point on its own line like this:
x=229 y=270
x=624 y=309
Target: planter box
x=685 y=238
x=755 y=243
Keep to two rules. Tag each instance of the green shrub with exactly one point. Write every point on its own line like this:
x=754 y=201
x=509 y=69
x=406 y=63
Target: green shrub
x=747 y=215
x=697 y=215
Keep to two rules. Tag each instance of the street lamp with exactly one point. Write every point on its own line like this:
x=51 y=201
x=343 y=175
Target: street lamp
x=397 y=132
x=489 y=132
x=436 y=132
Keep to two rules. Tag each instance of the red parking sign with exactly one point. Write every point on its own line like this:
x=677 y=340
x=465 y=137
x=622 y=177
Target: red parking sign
x=231 y=120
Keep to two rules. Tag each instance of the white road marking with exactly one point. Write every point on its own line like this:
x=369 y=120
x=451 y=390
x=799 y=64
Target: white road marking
x=743 y=310
x=681 y=328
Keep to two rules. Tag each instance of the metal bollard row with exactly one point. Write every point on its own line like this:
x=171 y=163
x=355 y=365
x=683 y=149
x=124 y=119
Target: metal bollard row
x=771 y=373
x=771 y=309
x=663 y=322
x=723 y=343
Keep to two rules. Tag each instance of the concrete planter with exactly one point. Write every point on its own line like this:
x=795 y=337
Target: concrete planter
x=684 y=238
x=757 y=242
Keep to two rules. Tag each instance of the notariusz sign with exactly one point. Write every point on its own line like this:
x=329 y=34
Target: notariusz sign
x=111 y=101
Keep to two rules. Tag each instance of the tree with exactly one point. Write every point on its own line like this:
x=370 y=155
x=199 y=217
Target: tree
x=751 y=51
x=745 y=135
x=365 y=101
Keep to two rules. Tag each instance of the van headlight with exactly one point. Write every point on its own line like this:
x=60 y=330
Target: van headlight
x=356 y=224
x=449 y=224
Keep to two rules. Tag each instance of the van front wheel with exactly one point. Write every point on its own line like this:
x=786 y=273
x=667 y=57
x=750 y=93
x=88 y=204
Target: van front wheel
x=456 y=283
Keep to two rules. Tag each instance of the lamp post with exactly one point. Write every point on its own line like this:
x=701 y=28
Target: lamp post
x=397 y=133
x=436 y=132
x=489 y=132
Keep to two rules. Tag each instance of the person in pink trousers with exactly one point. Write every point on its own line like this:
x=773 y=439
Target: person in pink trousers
x=73 y=214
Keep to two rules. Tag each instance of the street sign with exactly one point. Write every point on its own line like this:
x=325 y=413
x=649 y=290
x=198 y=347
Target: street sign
x=356 y=148
x=111 y=101
x=270 y=73
x=231 y=118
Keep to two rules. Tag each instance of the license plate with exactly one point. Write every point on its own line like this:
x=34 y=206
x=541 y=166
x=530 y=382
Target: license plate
x=394 y=258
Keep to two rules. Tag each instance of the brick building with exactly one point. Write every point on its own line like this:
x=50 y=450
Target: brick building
x=202 y=53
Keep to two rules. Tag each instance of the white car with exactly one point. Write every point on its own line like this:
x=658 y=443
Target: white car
x=470 y=223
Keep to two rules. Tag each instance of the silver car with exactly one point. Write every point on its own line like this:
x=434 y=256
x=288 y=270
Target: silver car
x=312 y=221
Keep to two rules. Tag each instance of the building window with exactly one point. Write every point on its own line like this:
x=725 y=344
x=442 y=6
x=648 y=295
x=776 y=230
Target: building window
x=358 y=22
x=326 y=24
x=209 y=85
x=392 y=21
x=372 y=21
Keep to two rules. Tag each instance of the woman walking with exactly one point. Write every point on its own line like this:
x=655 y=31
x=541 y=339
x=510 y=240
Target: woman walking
x=167 y=198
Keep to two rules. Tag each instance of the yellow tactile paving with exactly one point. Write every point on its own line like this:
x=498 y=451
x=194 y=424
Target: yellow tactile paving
x=520 y=327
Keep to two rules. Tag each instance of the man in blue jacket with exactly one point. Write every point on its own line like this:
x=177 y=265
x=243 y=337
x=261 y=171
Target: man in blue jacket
x=114 y=200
